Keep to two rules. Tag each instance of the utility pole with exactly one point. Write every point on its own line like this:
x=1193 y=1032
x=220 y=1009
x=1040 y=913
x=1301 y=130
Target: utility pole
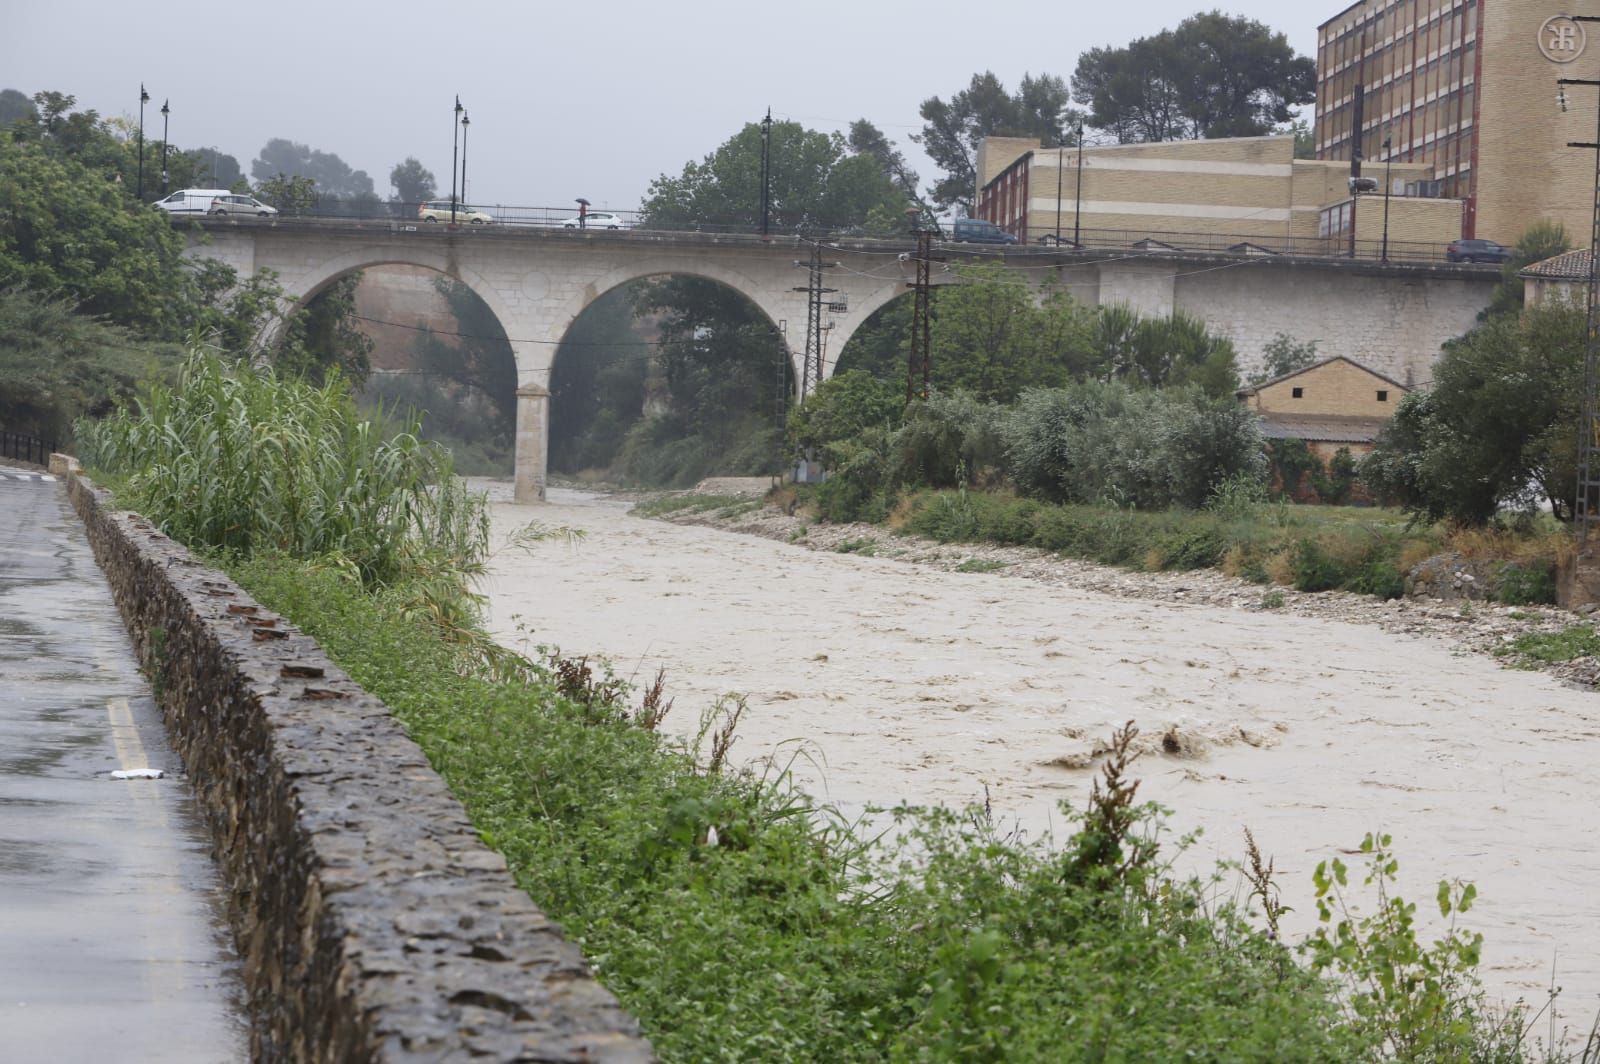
x=766 y=174
x=1587 y=503
x=919 y=363
x=812 y=369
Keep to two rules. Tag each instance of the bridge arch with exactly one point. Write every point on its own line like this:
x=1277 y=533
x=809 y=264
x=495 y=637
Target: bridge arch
x=644 y=268
x=301 y=289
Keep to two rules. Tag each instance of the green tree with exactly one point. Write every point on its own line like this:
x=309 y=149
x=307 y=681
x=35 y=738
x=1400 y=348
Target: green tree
x=951 y=131
x=866 y=139
x=816 y=181
x=412 y=182
x=291 y=195
x=332 y=175
x=1542 y=240
x=65 y=228
x=1282 y=356
x=842 y=408
x=325 y=336
x=216 y=169
x=991 y=338
x=16 y=107
x=1498 y=427
x=1215 y=75
x=57 y=365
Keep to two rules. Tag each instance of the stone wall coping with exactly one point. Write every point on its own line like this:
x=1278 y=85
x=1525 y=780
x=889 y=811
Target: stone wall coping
x=373 y=923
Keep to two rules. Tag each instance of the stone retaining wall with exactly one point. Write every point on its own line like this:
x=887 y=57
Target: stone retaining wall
x=373 y=923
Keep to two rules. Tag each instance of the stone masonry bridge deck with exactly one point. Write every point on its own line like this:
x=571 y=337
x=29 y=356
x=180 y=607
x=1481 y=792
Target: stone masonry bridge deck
x=1391 y=317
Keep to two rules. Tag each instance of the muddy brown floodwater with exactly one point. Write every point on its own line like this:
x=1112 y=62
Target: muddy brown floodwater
x=909 y=684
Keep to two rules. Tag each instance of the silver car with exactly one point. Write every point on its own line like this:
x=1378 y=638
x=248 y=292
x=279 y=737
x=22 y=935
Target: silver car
x=237 y=203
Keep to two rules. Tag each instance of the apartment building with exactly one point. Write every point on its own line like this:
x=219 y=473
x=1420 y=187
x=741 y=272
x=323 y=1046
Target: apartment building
x=1468 y=89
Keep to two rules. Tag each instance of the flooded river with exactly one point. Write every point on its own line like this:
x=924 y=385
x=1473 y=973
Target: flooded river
x=903 y=683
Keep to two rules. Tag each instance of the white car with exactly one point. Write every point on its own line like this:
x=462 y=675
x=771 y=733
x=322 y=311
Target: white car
x=192 y=200
x=596 y=220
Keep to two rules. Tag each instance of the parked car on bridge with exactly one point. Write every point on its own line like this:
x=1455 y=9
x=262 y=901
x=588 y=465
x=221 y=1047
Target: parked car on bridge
x=439 y=211
x=978 y=231
x=597 y=220
x=236 y=203
x=1476 y=251
x=192 y=200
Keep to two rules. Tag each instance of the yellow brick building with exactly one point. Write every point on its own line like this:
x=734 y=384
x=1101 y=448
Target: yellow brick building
x=1239 y=193
x=1468 y=88
x=1332 y=405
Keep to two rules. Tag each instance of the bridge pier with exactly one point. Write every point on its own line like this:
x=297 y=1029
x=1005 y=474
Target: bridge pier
x=533 y=443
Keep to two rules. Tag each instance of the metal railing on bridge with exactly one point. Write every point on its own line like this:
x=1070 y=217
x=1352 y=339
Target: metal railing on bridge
x=31 y=450
x=1133 y=242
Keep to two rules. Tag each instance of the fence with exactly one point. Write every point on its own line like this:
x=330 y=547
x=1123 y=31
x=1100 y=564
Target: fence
x=469 y=214
x=30 y=450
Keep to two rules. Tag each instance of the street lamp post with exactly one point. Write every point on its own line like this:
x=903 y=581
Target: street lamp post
x=165 y=111
x=144 y=98
x=455 y=136
x=766 y=174
x=1077 y=206
x=466 y=120
x=1387 y=159
x=1060 y=144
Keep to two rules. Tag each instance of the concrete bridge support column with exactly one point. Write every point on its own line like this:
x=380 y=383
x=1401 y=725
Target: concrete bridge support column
x=533 y=443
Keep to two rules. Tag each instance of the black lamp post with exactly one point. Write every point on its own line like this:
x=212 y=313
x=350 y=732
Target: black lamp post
x=455 y=161
x=165 y=111
x=144 y=98
x=1060 y=145
x=766 y=173
x=1387 y=159
x=583 y=213
x=1077 y=207
x=466 y=120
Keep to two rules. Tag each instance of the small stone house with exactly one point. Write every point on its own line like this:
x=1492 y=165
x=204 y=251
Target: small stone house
x=1332 y=405
x=1564 y=277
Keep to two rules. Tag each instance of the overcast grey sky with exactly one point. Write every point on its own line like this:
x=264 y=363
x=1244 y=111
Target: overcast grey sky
x=591 y=99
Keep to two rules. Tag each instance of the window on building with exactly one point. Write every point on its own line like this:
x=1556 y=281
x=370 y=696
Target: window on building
x=1383 y=395
x=1299 y=393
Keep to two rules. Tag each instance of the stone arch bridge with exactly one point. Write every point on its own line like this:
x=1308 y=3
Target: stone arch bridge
x=1391 y=317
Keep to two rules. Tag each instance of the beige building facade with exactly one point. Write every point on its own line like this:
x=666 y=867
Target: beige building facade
x=1467 y=88
x=1240 y=193
x=1336 y=404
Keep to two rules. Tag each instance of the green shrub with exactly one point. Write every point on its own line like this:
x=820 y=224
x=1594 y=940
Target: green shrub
x=1381 y=578
x=945 y=441
x=1149 y=449
x=1525 y=585
x=1314 y=568
x=1190 y=547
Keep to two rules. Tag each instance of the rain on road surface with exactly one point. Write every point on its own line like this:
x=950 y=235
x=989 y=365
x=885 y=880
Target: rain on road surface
x=113 y=945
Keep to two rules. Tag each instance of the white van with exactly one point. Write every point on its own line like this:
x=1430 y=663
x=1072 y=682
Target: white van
x=192 y=200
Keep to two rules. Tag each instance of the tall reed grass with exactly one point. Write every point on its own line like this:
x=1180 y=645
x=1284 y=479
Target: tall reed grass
x=236 y=459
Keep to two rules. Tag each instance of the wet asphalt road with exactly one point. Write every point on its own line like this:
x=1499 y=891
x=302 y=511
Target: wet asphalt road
x=112 y=940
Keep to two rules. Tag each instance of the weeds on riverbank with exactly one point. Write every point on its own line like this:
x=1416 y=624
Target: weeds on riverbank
x=1360 y=549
